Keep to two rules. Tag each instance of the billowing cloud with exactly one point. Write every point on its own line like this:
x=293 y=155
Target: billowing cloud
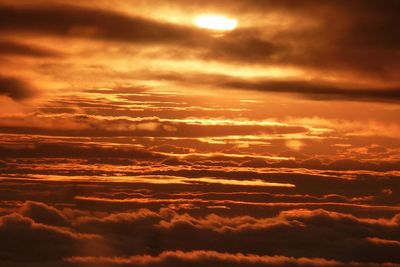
x=21 y=236
x=43 y=213
x=156 y=231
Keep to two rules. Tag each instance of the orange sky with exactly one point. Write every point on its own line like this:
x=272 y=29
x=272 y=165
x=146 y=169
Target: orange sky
x=223 y=119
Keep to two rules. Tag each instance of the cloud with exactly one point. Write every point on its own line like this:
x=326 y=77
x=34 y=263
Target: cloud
x=322 y=91
x=42 y=213
x=15 y=88
x=201 y=258
x=113 y=126
x=279 y=229
x=11 y=48
x=130 y=164
x=361 y=40
x=336 y=165
x=314 y=89
x=75 y=21
x=82 y=151
x=23 y=240
x=295 y=233
x=341 y=35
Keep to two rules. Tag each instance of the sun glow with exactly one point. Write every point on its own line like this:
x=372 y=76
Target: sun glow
x=215 y=22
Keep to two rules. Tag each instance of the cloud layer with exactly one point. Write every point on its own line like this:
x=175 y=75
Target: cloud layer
x=131 y=137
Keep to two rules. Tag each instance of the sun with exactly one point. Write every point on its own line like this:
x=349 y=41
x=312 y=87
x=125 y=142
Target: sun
x=216 y=23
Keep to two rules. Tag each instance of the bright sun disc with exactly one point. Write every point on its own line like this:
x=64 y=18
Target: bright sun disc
x=218 y=23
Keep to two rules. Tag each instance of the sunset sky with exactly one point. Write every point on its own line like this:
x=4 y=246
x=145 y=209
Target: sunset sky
x=176 y=133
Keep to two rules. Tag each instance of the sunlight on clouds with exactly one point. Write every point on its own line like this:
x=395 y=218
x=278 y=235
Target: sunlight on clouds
x=216 y=22
x=227 y=155
x=296 y=145
x=215 y=67
x=163 y=180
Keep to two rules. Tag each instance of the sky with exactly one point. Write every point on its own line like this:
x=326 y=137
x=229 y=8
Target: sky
x=199 y=133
